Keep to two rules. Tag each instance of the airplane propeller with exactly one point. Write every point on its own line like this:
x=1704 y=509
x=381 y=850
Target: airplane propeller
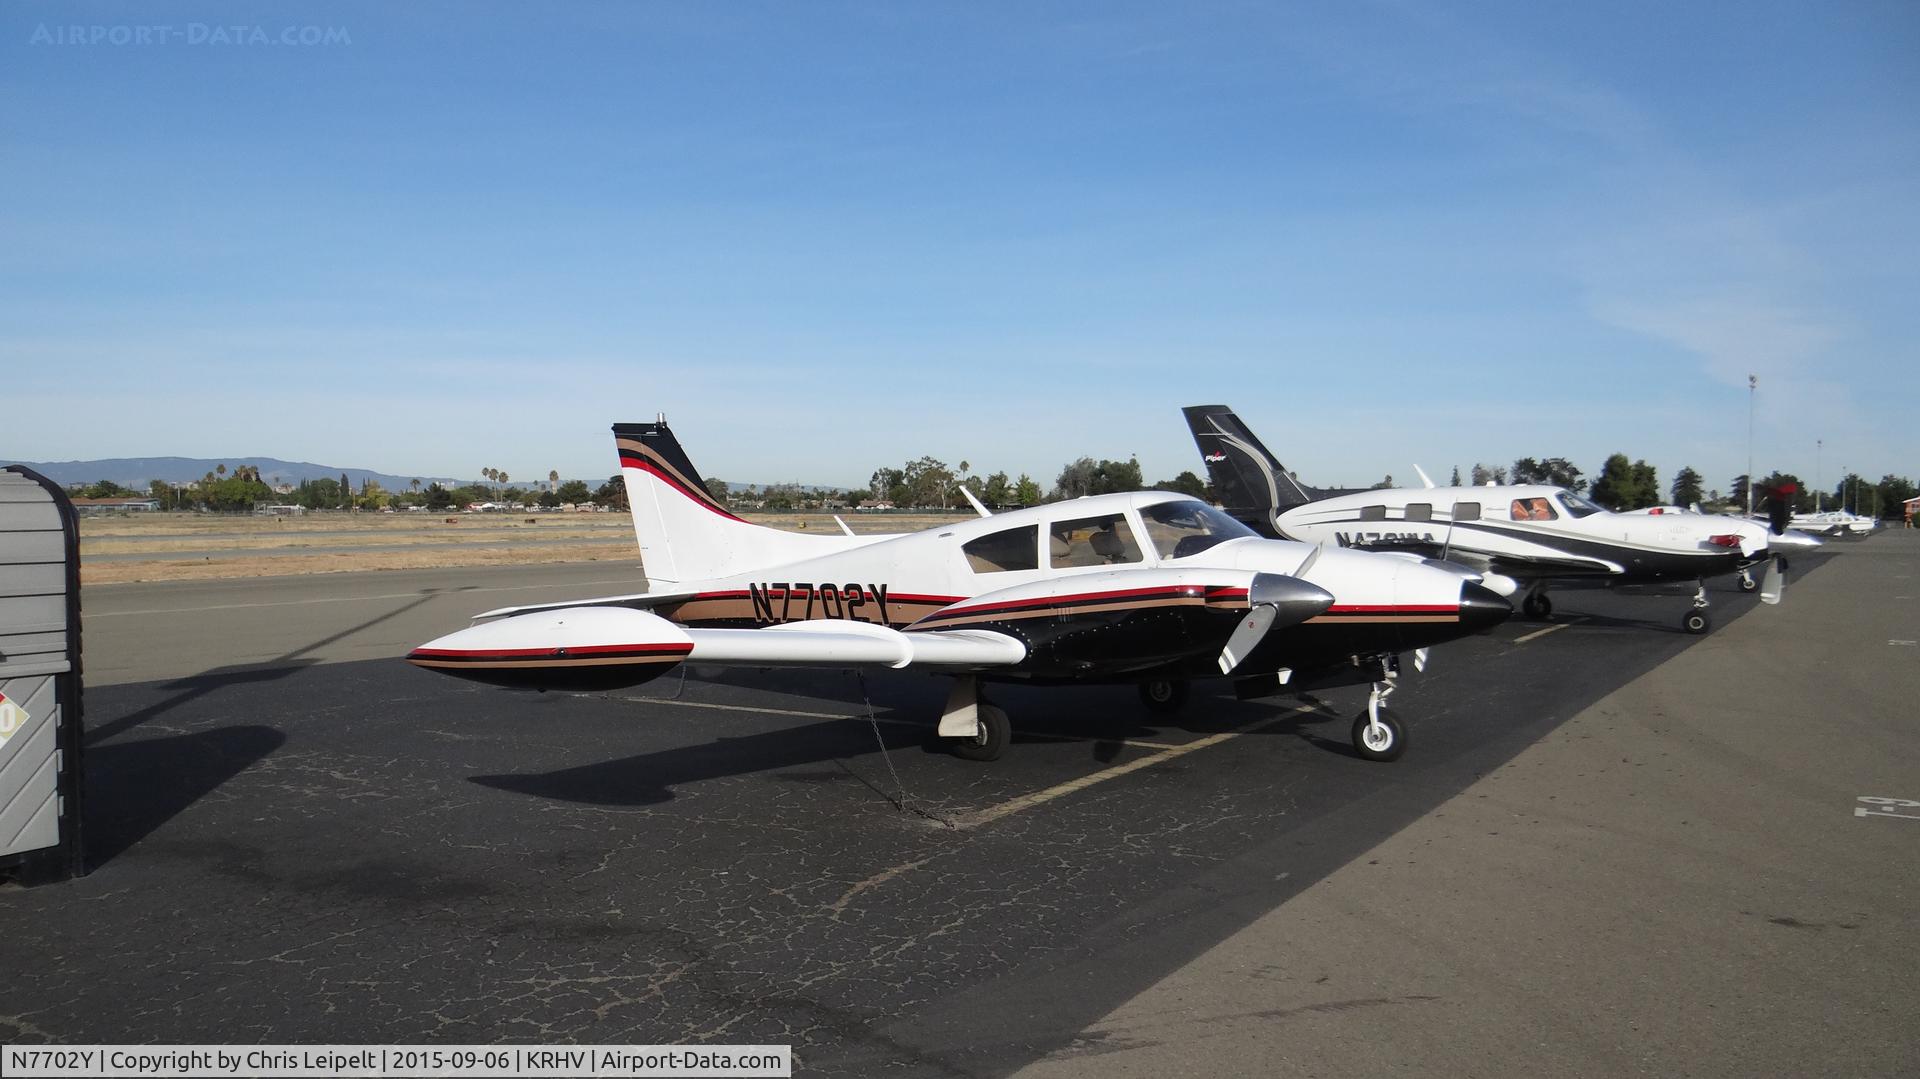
x=1773 y=588
x=1274 y=599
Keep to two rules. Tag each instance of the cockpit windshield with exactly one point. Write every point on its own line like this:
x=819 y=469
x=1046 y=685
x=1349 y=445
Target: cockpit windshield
x=1579 y=505
x=1186 y=527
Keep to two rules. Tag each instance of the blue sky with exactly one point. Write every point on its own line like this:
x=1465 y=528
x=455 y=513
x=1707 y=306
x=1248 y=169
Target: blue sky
x=826 y=237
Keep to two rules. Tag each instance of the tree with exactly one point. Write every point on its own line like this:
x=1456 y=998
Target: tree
x=549 y=500
x=1187 y=484
x=346 y=493
x=1025 y=491
x=1075 y=479
x=1456 y=477
x=884 y=482
x=719 y=490
x=1893 y=491
x=1737 y=491
x=612 y=494
x=1384 y=485
x=439 y=499
x=1646 y=486
x=928 y=481
x=1686 y=487
x=575 y=491
x=995 y=491
x=1851 y=493
x=553 y=478
x=1614 y=488
x=1482 y=475
x=320 y=494
x=1554 y=471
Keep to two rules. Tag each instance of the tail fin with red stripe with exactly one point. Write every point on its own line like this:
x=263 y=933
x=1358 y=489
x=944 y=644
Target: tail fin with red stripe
x=685 y=533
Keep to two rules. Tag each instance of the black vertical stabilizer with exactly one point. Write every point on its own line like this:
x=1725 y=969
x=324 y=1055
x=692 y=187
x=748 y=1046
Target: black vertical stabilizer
x=1251 y=483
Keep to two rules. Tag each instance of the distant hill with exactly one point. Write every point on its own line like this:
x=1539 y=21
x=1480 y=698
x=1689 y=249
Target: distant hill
x=139 y=472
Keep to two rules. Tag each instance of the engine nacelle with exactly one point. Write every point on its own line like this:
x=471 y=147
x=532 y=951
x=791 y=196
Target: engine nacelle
x=573 y=648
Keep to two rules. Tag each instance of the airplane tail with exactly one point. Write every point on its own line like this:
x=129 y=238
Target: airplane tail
x=1249 y=480
x=685 y=533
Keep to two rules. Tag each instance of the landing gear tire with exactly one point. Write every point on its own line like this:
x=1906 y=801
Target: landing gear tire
x=990 y=740
x=1747 y=583
x=1536 y=606
x=1382 y=742
x=1696 y=622
x=1164 y=696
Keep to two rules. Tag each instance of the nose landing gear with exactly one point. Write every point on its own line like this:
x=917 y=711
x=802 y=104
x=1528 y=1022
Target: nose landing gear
x=1696 y=620
x=1376 y=735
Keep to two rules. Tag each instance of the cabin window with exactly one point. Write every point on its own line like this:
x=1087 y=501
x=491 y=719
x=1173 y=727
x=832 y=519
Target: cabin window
x=1185 y=527
x=1002 y=552
x=1466 y=511
x=1373 y=513
x=1533 y=509
x=1092 y=541
x=1419 y=511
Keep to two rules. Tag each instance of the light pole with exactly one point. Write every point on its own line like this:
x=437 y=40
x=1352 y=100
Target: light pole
x=1752 y=381
x=1818 y=445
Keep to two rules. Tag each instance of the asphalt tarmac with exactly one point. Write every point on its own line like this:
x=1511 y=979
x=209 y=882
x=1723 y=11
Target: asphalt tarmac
x=1611 y=847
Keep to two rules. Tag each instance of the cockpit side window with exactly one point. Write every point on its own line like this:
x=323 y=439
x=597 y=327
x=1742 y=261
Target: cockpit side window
x=1579 y=505
x=1186 y=527
x=1092 y=541
x=1003 y=552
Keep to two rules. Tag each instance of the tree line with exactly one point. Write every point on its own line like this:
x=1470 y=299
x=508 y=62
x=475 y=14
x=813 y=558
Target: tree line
x=926 y=483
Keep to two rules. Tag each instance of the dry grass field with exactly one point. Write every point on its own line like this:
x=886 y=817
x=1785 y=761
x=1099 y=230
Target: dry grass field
x=194 y=546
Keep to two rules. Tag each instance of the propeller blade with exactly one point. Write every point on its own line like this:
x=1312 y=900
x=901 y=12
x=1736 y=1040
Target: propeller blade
x=1275 y=599
x=1773 y=589
x=1246 y=637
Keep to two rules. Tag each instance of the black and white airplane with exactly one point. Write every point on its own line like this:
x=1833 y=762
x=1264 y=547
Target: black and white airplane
x=1150 y=588
x=1520 y=538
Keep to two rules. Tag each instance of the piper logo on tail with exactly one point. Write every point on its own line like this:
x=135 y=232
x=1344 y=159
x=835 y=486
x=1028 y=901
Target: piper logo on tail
x=13 y=719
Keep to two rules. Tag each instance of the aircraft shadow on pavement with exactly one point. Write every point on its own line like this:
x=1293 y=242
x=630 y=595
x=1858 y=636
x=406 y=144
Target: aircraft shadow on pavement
x=649 y=778
x=135 y=787
x=1103 y=718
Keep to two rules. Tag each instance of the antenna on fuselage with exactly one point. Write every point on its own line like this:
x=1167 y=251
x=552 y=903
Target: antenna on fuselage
x=1425 y=480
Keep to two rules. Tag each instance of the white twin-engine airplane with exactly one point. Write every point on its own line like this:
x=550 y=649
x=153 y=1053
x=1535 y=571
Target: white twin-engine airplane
x=1150 y=588
x=1518 y=537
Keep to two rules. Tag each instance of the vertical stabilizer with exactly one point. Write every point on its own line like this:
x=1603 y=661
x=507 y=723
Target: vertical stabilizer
x=685 y=533
x=1249 y=480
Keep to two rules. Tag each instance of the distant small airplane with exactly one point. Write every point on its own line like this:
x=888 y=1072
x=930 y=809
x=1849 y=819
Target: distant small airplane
x=1521 y=538
x=1150 y=588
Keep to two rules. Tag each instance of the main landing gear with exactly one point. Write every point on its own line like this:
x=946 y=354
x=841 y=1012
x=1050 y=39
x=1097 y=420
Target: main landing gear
x=1747 y=583
x=1164 y=696
x=1536 y=605
x=1376 y=735
x=1696 y=621
x=977 y=728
